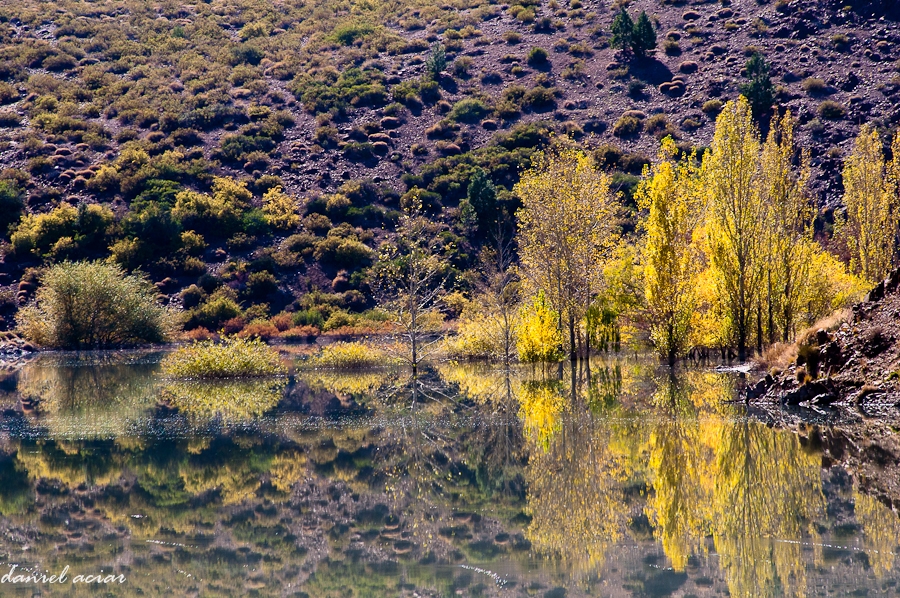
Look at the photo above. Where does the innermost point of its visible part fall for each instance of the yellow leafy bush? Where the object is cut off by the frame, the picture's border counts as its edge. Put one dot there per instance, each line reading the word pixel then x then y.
pixel 233 357
pixel 280 209
pixel 479 334
pixel 349 355
pixel 539 338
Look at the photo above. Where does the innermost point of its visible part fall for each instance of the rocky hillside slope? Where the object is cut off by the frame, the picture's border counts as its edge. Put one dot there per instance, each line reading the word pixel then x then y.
pixel 126 104
pixel 856 366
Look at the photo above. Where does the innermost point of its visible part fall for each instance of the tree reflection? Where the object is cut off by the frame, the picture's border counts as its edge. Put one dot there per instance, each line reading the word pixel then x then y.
pixel 768 493
pixel 679 465
pixel 97 396
pixel 577 474
pixel 708 473
pixel 881 527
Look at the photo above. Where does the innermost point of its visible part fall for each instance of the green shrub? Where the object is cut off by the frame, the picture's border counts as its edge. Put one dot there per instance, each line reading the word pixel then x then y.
pixel 11 205
pixel 840 41
pixel 343 253
pixel 63 232
pixel 260 285
pixel 712 107
pixel 512 37
pixel 539 98
pixel 436 61
pixel 627 126
pixel 831 110
pixel 469 110
pixel 218 214
pixel 814 85
pixel 214 312
pixel 233 357
pixel 348 33
pixel 10 119
pixel 83 305
pixel 359 152
pixel 537 56
pixel 330 91
pixel 759 90
pixel 308 317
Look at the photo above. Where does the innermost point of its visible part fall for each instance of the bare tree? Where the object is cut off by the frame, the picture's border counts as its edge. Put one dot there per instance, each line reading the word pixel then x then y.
pixel 410 282
pixel 499 289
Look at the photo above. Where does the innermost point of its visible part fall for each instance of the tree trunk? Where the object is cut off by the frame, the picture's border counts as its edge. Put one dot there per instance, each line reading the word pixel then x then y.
pixel 759 329
pixel 573 355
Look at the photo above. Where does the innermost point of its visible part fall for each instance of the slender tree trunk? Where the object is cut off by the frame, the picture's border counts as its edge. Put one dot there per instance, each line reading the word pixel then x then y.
pixel 759 329
pixel 771 309
pixel 587 353
pixel 573 355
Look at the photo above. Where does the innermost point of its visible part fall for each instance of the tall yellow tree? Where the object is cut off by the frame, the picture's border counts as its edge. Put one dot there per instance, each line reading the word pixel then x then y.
pixel 788 227
pixel 869 225
pixel 670 194
pixel 567 224
pixel 736 212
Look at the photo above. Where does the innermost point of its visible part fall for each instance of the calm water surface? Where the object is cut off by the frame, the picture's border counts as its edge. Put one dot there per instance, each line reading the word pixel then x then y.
pixel 467 482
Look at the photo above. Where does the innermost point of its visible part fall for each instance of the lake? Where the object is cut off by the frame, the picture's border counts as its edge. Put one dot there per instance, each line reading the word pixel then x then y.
pixel 621 480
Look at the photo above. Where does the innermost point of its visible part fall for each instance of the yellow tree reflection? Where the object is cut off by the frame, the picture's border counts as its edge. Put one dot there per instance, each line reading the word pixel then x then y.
pixel 881 527
pixel 680 471
pixel 577 475
pixel 768 491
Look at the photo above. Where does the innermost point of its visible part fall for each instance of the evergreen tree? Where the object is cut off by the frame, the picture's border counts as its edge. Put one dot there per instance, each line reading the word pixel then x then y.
pixel 643 38
pixel 759 90
pixel 622 31
pixel 436 61
pixel 482 194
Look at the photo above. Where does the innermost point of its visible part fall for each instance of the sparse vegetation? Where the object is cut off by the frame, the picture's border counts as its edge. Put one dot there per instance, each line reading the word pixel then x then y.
pixel 122 145
pixel 831 110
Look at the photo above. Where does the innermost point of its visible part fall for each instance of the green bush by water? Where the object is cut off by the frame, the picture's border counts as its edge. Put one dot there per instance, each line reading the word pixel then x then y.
pixel 86 305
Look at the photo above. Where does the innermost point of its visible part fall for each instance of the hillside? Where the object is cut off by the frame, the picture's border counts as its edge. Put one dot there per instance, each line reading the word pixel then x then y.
pixel 127 104
pixel 853 367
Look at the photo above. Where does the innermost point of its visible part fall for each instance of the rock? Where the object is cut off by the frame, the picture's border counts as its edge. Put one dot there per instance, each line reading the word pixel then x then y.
pixel 818 391
pixel 758 389
pixel 831 356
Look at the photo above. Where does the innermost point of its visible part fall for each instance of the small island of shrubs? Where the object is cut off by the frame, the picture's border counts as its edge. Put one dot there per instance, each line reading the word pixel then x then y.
pixel 232 357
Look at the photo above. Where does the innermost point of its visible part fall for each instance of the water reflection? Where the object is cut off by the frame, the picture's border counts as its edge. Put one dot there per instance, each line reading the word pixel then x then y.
pixel 230 400
pixel 467 480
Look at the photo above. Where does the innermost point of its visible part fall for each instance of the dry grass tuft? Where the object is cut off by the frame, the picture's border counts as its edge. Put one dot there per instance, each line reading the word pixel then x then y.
pixel 784 355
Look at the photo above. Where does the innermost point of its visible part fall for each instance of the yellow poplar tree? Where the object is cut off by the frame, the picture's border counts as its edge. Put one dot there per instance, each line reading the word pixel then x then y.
pixel 789 227
pixel 669 193
pixel 736 211
pixel 869 225
pixel 567 223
